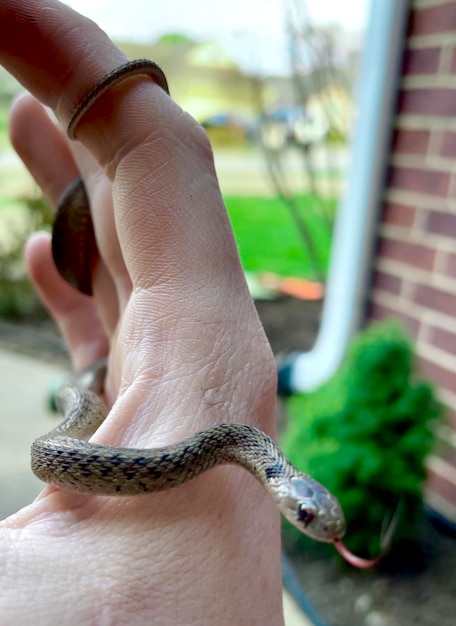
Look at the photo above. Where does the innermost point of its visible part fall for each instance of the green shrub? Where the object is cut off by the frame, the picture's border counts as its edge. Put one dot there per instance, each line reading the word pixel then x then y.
pixel 366 435
pixel 17 298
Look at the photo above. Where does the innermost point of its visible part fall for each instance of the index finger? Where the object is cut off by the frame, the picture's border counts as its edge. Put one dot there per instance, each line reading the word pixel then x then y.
pixel 59 55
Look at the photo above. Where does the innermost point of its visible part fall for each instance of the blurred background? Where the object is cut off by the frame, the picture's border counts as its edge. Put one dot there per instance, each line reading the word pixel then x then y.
pixel 288 92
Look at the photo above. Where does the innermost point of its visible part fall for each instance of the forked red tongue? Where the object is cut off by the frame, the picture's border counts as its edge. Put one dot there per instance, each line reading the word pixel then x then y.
pixel 385 543
pixel 354 560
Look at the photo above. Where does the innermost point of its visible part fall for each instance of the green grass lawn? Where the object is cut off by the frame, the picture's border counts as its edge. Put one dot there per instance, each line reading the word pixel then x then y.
pixel 268 239
pixel 267 236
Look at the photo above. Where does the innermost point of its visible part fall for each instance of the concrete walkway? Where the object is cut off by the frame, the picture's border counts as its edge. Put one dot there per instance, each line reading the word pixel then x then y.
pixel 24 388
pixel 24 383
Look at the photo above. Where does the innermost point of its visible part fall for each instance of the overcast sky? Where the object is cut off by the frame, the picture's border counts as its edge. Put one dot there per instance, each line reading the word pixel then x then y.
pixel 252 31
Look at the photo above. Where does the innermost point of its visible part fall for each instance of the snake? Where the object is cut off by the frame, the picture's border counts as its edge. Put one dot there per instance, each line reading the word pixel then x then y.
pixel 65 456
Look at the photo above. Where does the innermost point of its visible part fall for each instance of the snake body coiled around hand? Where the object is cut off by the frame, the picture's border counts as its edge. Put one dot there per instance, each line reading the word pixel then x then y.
pixel 64 458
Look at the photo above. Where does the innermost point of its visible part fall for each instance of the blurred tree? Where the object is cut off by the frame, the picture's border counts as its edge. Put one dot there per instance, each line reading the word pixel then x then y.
pixel 322 68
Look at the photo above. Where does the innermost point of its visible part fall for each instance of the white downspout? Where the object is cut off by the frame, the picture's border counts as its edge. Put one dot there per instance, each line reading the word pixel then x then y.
pixel 356 222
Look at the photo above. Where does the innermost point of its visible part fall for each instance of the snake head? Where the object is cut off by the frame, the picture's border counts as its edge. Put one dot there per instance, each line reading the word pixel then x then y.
pixel 312 509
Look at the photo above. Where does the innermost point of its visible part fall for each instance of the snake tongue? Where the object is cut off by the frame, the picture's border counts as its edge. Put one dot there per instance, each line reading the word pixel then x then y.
pixel 354 560
pixel 385 543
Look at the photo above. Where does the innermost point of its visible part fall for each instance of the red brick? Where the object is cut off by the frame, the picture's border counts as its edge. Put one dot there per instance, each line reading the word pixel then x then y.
pixel 377 311
pixel 442 377
pixel 429 182
pixel 441 223
pixel 386 282
pixel 444 449
pixel 436 19
pixel 421 61
pixel 407 252
pixel 443 339
pixel 453 61
pixel 437 102
pixel 435 300
pixel 449 416
pixel 407 141
pixel 398 214
pixel 450 264
pixel 449 144
pixel 441 485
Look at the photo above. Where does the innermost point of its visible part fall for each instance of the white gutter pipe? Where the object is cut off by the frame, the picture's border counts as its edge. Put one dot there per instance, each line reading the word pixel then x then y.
pixel 357 216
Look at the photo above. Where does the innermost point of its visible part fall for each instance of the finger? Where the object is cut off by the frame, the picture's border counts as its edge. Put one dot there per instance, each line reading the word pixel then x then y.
pixel 54 51
pixel 47 155
pixel 87 342
pixel 45 151
pixel 99 189
pixel 59 55
pixel 42 147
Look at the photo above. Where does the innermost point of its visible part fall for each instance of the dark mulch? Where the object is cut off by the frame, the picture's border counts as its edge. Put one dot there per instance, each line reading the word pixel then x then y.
pixel 419 591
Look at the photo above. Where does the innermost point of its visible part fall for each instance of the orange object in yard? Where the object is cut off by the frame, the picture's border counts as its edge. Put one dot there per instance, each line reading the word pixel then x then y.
pixel 296 287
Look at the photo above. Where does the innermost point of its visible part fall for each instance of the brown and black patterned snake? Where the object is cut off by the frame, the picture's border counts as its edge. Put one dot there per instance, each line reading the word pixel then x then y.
pixel 65 457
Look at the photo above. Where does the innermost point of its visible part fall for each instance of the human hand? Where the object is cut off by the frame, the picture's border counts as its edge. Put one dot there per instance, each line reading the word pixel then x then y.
pixel 185 347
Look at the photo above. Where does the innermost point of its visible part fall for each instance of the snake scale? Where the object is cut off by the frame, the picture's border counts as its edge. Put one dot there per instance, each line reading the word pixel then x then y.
pixel 64 457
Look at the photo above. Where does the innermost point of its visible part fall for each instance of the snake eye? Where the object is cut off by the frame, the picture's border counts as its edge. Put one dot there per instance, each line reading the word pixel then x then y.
pixel 305 516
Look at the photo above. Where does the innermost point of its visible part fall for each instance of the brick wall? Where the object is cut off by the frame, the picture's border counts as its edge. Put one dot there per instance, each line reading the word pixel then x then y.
pixel 415 269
